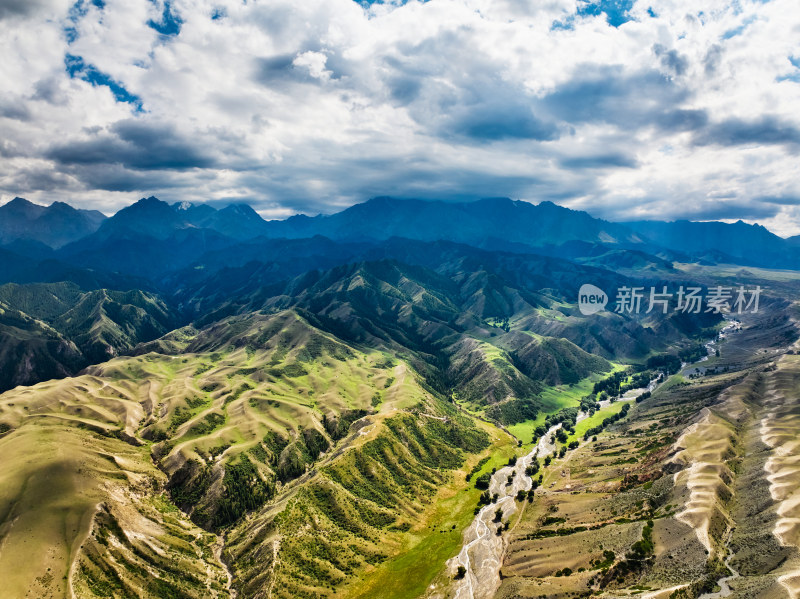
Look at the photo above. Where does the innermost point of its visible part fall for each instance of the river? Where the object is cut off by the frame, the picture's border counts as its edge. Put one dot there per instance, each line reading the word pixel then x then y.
pixel 482 553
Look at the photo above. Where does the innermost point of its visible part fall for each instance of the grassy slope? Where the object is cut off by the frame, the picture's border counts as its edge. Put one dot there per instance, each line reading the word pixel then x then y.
pixel 271 375
pixel 376 507
pixel 66 484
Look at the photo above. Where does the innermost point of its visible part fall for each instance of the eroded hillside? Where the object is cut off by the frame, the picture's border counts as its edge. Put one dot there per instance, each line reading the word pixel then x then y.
pixel 127 473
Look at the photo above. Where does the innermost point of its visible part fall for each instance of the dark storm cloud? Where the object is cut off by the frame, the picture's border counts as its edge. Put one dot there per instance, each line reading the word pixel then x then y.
pixel 712 59
pixel 473 105
pixel 115 177
pixel 599 161
pixel 21 8
pixel 681 120
pixel 276 68
pixel 137 145
pixel 701 208
pixel 783 200
pixel 607 94
pixel 731 211
pixel 374 177
pixel 280 72
pixel 14 109
pixel 501 120
pixel 404 89
pixel 671 60
pixel 767 130
pixel 43 179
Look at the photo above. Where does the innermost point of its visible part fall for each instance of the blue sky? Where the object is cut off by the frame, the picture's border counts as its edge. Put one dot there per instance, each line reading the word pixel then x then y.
pixel 627 109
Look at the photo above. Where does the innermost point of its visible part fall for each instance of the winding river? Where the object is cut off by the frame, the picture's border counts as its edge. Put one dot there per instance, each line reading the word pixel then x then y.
pixel 482 552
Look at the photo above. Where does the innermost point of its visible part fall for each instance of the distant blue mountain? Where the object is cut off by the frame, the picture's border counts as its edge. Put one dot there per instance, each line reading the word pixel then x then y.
pixel 485 223
pixel 151 217
pixel 737 242
pixel 54 225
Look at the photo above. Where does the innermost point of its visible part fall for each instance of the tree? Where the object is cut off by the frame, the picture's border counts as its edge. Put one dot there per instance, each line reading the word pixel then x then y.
pixel 460 573
pixel 482 482
pixel 498 514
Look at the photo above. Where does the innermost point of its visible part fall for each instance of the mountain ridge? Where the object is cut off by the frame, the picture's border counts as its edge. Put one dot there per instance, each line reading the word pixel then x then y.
pixel 54 225
pixel 490 223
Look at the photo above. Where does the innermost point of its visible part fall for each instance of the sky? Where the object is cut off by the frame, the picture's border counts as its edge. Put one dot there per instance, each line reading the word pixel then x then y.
pixel 629 109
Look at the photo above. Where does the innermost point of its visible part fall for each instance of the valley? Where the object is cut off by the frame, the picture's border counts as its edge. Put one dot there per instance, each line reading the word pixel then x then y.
pixel 690 495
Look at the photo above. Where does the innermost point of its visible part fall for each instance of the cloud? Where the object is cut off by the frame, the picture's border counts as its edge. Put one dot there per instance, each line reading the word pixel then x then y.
pixel 599 161
pixel 688 107
pixel 499 119
pixel 610 94
pixel 781 200
pixel 766 130
pixel 731 211
pixel 25 8
pixel 14 108
pixel 671 60
pixel 134 144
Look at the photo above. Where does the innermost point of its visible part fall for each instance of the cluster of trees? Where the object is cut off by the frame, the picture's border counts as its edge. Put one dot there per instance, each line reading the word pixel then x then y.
pixel 639 380
pixel 476 468
pixel 694 353
pixel 589 404
pixel 619 383
pixel 501 323
pixel 643 548
pixel 485 499
pixel 482 482
pixel 666 363
pixel 243 491
pixel 640 553
pixel 567 417
pixel 611 384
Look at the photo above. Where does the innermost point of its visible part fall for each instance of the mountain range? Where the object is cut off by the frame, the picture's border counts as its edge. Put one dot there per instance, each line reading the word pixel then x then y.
pixel 54 225
pixel 182 232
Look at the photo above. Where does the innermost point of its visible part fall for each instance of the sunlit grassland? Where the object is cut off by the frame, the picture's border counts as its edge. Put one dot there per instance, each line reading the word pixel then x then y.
pixel 595 420
pixel 557 398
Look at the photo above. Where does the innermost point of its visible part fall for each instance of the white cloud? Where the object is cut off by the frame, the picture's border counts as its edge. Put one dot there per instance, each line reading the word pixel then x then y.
pixel 314 105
